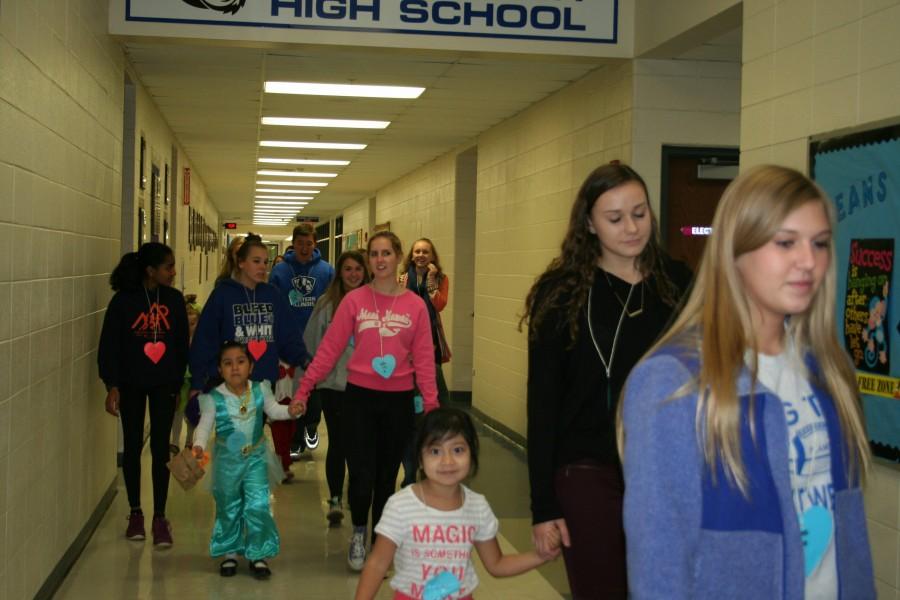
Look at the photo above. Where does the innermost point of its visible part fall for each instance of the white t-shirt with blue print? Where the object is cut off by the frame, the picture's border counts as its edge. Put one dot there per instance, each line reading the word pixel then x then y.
pixel 809 455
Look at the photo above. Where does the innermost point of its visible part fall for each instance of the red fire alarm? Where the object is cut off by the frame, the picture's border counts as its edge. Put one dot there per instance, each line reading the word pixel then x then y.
pixel 230 225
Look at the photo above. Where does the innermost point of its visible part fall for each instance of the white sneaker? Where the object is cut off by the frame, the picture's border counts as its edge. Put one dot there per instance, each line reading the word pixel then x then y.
pixel 356 557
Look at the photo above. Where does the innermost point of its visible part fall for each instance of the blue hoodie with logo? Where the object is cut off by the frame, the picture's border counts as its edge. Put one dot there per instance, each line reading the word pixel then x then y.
pixel 302 283
pixel 259 318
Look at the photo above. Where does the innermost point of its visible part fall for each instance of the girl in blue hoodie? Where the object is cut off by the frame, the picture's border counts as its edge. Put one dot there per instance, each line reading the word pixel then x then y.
pixel 246 309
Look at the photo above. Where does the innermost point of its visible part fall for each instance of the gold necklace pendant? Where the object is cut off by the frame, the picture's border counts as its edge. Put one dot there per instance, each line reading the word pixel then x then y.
pixel 245 399
pixel 624 305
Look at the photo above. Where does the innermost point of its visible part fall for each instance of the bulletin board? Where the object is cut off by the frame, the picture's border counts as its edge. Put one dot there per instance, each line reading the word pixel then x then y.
pixel 861 174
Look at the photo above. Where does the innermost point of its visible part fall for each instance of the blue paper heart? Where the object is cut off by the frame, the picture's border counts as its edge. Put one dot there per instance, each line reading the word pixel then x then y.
pixel 294 297
pixel 816 527
pixel 384 365
pixel 440 586
pixel 418 404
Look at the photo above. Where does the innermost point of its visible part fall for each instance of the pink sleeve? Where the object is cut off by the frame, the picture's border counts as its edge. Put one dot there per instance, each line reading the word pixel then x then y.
pixel 330 349
pixel 423 358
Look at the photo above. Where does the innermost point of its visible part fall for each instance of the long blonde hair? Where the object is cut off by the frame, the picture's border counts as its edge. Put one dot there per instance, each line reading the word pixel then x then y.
pixel 716 318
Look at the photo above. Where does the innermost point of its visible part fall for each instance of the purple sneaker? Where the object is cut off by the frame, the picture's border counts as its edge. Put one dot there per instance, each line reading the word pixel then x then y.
pixel 135 529
pixel 162 532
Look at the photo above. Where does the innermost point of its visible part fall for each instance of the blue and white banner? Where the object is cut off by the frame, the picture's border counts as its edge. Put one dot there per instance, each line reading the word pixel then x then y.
pixel 594 22
pixel 861 174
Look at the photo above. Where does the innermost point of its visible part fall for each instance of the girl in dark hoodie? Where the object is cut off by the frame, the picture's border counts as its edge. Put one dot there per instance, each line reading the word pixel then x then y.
pixel 246 309
pixel 142 354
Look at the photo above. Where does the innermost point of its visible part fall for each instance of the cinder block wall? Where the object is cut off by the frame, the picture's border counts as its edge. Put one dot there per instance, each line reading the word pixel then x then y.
pixel 61 97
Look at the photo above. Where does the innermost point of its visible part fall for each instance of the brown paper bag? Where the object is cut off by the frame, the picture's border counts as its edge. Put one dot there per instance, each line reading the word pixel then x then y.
pixel 185 469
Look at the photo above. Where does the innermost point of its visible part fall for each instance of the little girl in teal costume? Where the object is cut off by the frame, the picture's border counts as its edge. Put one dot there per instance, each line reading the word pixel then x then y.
pixel 240 466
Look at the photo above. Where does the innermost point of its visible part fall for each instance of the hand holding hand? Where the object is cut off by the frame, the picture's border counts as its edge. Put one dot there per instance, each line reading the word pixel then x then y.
pixel 549 537
pixel 298 404
pixel 198 452
pixel 112 401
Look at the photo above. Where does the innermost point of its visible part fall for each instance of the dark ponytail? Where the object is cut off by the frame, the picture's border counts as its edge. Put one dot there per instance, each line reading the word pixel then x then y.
pixel 129 273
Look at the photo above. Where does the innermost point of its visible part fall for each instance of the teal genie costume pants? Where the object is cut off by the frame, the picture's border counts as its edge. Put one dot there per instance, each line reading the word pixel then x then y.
pixel 244 523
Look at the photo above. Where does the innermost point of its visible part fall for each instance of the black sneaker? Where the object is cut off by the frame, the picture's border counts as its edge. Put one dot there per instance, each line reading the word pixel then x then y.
pixel 296 453
pixel 335 514
pixel 312 440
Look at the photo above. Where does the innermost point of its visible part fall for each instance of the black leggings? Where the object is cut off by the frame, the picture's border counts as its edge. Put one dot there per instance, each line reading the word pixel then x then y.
pixel 132 406
pixel 335 459
pixel 377 426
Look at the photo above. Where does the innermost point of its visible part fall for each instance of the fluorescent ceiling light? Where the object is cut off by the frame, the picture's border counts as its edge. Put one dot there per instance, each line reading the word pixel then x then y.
pixel 280 173
pixel 295 184
pixel 275 209
pixel 343 89
pixel 341 123
pixel 304 161
pixel 283 203
pixel 316 145
pixel 281 198
pixel 282 191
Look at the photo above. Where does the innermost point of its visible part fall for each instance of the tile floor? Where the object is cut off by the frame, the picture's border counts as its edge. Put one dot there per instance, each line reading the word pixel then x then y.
pixel 312 564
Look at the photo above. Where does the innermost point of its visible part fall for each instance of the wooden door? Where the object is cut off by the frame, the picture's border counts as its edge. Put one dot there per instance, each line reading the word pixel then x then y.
pixel 690 205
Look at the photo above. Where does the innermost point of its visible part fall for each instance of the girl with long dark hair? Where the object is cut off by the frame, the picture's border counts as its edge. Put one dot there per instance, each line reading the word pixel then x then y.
pixel 351 273
pixel 591 315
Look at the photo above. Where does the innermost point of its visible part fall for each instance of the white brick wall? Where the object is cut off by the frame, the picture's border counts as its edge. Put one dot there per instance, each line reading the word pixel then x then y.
pixel 197 270
pixel 60 162
pixel 682 103
pixel 61 120
pixel 529 169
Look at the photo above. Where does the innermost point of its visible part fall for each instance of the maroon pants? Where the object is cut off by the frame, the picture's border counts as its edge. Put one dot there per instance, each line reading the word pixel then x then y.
pixel 282 434
pixel 590 496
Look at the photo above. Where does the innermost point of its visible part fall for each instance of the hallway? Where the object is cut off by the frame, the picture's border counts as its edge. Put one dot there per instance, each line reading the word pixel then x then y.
pixel 312 564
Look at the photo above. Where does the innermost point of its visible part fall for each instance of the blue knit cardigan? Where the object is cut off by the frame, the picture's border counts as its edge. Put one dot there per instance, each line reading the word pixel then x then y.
pixel 688 537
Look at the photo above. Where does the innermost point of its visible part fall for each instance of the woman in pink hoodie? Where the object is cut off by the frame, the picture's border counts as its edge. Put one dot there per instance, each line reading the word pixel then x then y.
pixel 390 330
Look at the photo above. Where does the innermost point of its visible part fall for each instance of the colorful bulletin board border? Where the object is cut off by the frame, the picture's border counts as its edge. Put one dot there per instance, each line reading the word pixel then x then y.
pixel 861 174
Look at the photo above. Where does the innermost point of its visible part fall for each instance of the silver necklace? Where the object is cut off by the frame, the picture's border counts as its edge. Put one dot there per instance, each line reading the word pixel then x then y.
pixel 607 367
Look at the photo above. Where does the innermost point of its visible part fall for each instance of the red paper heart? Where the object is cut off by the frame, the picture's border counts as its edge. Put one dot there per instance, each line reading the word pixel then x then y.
pixel 257 348
pixel 155 350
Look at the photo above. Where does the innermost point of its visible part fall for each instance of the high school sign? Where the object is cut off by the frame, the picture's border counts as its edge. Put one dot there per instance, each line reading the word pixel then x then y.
pixel 576 27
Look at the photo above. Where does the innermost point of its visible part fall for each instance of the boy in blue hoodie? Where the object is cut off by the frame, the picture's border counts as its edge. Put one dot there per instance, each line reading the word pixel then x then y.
pixel 302 277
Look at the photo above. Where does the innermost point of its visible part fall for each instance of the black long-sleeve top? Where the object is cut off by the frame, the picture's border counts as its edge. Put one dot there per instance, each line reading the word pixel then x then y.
pixel 128 327
pixel 571 404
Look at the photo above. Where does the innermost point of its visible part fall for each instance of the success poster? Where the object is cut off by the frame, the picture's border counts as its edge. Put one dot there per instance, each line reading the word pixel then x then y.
pixel 861 174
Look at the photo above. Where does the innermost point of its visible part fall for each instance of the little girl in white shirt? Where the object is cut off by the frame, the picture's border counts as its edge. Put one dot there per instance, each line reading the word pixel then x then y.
pixel 428 529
